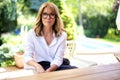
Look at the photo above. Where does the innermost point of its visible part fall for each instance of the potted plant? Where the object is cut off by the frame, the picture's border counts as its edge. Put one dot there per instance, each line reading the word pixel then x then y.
pixel 6 56
pixel 18 57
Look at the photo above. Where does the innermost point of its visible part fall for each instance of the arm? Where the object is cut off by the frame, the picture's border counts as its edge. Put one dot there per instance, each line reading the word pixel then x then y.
pixel 58 59
pixel 29 53
pixel 37 66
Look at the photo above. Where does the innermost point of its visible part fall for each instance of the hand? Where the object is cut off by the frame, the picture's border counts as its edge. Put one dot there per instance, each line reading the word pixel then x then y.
pixel 52 68
pixel 48 70
pixel 39 68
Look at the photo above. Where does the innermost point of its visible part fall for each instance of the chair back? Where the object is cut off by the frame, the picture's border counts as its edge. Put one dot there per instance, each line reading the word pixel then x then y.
pixel 71 47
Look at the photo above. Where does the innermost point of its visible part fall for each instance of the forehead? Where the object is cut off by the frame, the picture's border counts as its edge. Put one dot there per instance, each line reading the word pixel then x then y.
pixel 49 9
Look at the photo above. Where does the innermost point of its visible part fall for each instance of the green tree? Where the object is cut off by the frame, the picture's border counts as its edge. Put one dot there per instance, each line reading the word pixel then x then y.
pixel 23 6
pixel 74 8
pixel 67 18
pixel 8 16
pixel 98 17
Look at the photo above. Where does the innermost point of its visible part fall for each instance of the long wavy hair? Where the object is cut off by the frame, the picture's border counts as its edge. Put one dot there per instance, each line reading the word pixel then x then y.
pixel 58 26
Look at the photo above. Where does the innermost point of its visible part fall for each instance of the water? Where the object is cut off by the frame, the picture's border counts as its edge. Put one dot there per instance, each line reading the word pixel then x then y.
pixel 93 45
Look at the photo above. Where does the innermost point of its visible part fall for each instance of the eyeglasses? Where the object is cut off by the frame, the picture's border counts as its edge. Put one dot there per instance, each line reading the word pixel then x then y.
pixel 45 15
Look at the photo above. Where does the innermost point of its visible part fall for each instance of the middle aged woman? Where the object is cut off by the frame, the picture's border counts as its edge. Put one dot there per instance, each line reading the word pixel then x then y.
pixel 47 41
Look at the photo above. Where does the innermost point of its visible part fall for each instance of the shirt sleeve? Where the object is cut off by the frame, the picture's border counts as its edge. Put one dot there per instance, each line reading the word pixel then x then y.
pixel 28 47
pixel 58 60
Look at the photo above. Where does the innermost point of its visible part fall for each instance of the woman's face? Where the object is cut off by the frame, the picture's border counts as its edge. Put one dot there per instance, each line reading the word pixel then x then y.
pixel 48 17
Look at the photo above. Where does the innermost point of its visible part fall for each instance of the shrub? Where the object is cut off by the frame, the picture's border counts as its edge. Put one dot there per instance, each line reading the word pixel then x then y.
pixel 97 18
pixel 6 56
pixel 11 45
pixel 8 13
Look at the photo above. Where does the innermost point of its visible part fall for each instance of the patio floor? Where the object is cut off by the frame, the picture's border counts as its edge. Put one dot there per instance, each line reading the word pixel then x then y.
pixel 91 52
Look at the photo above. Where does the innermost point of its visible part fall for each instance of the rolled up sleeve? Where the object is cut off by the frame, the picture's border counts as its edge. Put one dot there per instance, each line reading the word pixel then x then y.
pixel 58 60
pixel 28 48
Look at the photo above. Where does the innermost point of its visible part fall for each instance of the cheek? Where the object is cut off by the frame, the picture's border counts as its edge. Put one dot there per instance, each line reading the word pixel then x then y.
pixel 43 21
pixel 48 22
pixel 53 21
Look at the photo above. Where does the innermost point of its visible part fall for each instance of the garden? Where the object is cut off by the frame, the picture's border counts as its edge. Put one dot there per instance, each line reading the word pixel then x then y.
pixel 92 20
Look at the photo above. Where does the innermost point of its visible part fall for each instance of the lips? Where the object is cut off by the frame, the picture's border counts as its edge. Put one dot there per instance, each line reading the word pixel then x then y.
pixel 48 21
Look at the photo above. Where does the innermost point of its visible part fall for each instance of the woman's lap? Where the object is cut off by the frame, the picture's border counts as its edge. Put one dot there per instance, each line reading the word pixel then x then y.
pixel 65 67
pixel 46 65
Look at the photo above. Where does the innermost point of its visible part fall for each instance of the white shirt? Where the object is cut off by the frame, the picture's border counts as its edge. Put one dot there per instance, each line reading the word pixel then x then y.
pixel 37 46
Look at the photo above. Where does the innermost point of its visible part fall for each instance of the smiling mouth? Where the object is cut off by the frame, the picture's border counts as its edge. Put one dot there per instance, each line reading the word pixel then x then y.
pixel 48 21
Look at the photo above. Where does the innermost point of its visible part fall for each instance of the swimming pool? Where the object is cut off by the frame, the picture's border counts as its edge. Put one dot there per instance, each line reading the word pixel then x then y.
pixel 89 45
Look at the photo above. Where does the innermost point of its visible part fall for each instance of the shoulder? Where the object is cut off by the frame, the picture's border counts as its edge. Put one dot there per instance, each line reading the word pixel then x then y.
pixel 31 32
pixel 63 35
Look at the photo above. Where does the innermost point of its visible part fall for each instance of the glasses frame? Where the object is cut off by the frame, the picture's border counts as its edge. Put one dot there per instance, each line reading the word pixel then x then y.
pixel 51 15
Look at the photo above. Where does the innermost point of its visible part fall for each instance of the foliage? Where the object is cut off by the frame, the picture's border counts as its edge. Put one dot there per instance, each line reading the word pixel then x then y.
pixel 97 16
pixel 73 7
pixel 67 17
pixel 96 19
pixel 8 16
pixel 27 11
pixel 23 6
pixel 6 56
pixel 26 20
pixel 111 35
pixel 11 38
pixel 11 44
pixel 25 15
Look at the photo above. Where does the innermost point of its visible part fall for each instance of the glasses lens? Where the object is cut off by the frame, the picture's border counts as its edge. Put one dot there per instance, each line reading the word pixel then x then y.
pixel 45 15
pixel 52 16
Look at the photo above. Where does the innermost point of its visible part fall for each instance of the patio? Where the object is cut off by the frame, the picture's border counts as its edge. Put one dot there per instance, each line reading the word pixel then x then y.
pixel 91 52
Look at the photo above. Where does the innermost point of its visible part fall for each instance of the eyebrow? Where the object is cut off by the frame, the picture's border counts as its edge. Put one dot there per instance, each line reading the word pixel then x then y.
pixel 48 13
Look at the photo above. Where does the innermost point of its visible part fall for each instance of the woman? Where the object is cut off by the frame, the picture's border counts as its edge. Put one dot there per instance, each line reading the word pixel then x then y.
pixel 47 41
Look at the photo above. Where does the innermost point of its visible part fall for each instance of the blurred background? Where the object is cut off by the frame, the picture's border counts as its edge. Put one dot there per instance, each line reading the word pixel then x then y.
pixel 90 18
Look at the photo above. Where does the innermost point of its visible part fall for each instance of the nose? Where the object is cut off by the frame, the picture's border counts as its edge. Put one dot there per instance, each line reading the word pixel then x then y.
pixel 48 17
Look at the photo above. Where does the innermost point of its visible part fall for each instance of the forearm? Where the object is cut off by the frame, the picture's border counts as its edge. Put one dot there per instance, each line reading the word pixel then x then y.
pixel 32 63
pixel 37 66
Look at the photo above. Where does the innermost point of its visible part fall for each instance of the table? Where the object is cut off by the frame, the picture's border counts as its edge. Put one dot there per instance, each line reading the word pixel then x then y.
pixel 102 72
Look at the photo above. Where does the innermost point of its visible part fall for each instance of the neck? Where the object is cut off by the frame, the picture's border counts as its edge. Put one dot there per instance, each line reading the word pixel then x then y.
pixel 47 31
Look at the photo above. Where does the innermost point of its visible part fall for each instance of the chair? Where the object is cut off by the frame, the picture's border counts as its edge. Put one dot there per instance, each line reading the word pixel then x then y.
pixel 71 53
pixel 70 48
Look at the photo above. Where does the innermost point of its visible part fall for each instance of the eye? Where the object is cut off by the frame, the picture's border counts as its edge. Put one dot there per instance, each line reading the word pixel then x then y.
pixel 44 14
pixel 52 15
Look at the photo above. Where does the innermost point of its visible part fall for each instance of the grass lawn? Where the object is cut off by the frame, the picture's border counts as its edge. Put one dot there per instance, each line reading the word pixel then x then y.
pixel 110 41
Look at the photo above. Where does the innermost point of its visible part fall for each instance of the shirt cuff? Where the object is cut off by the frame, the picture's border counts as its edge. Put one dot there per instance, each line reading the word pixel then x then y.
pixel 58 63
